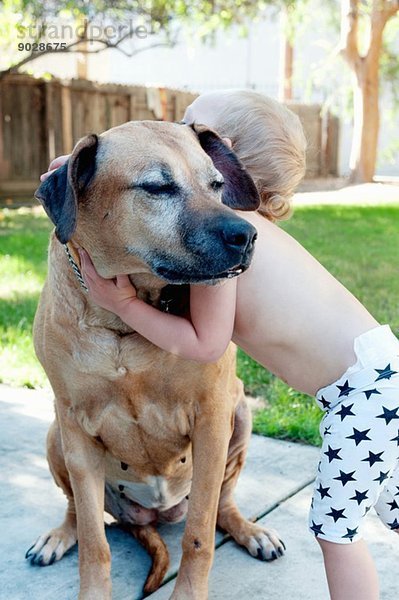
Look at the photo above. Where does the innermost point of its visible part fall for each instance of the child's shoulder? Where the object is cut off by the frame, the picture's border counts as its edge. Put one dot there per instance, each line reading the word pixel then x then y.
pixel 272 241
pixel 259 222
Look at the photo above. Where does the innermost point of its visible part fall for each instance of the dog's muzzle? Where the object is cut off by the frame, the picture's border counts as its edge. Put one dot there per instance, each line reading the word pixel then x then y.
pixel 215 249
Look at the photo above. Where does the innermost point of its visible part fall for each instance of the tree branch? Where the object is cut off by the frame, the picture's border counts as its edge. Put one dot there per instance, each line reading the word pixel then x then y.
pixel 381 12
pixel 391 7
pixel 349 31
pixel 73 49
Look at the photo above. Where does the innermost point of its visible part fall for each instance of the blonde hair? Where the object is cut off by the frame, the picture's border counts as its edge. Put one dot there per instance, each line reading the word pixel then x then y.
pixel 268 138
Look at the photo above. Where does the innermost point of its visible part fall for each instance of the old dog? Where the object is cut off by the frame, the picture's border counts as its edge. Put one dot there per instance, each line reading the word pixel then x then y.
pixel 139 432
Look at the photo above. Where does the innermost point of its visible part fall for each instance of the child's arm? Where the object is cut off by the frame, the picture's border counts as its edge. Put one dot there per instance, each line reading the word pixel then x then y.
pixel 204 338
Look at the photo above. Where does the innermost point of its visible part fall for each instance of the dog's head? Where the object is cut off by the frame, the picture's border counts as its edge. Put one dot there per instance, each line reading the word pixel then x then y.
pixel 153 197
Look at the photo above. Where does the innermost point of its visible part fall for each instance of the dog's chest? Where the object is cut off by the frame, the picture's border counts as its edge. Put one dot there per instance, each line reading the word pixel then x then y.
pixel 151 491
pixel 104 352
pixel 146 440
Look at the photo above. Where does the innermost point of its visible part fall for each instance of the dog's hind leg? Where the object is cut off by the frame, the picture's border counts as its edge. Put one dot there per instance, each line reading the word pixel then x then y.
pixel 260 542
pixel 150 539
pixel 52 545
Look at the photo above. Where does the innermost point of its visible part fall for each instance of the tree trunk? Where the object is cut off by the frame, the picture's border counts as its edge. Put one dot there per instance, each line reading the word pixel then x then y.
pixel 81 60
pixel 366 123
pixel 285 88
pixel 366 73
pixel 285 92
pixel 81 57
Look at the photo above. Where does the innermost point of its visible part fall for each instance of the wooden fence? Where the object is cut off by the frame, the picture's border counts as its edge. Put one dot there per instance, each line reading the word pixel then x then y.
pixel 41 119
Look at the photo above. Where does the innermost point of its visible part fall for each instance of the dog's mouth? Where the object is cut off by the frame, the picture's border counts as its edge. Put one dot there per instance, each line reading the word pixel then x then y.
pixel 172 276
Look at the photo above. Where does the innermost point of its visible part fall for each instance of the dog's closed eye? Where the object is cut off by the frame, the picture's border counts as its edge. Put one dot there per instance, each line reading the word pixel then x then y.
pixel 217 184
pixel 157 189
pixel 157 182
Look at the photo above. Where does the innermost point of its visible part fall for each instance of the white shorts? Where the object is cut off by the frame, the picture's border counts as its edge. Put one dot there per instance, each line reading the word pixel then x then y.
pixel 359 465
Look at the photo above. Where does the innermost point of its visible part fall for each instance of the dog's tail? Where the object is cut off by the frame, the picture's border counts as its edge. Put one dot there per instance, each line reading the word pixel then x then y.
pixel 149 537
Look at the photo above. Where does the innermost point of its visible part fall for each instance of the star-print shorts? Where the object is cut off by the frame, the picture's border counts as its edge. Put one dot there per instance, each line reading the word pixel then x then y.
pixel 359 465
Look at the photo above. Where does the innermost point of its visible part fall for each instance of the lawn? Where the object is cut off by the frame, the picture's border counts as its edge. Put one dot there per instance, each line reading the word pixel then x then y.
pixel 359 245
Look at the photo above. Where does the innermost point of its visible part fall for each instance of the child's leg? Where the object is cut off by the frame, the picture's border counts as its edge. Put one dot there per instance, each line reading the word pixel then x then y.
pixel 350 570
pixel 358 456
pixel 387 506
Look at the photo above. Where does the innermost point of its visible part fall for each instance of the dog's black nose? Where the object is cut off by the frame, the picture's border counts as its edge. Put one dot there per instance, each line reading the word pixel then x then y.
pixel 239 235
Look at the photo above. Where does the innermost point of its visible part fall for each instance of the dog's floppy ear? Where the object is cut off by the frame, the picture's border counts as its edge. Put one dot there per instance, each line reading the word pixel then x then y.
pixel 60 193
pixel 239 190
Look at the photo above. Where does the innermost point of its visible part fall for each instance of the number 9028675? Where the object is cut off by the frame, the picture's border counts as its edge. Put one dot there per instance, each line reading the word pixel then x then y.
pixel 41 46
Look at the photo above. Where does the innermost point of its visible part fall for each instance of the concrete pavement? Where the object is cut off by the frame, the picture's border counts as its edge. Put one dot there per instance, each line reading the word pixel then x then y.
pixel 275 488
pixel 323 192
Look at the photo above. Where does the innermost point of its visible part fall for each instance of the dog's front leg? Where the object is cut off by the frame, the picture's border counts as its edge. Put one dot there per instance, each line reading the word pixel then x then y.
pixel 210 440
pixel 84 459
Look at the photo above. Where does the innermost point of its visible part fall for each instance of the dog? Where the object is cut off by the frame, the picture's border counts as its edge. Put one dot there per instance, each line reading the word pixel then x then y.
pixel 138 431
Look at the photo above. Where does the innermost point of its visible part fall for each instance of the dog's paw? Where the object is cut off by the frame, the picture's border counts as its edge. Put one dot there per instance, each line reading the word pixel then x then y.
pixel 264 544
pixel 50 547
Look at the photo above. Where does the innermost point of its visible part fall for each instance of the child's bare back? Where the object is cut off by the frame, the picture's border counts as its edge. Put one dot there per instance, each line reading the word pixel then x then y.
pixel 292 315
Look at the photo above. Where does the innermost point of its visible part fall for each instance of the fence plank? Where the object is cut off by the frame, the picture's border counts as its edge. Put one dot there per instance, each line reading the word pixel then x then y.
pixel 66 111
pixel 41 119
pixel 49 120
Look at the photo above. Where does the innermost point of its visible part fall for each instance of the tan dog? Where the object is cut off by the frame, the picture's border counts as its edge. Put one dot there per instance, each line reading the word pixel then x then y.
pixel 144 199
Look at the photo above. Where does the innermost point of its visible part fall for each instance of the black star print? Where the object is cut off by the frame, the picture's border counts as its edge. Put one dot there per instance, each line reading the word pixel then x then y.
pixel 366 510
pixel 382 477
pixel 371 392
pixel 345 412
pixel 345 389
pixel 359 436
pixel 345 477
pixel 350 533
pixel 333 453
pixel 394 524
pixel 359 496
pixel 373 458
pixel 395 439
pixel 336 514
pixel 328 432
pixel 397 487
pixel 324 402
pixel 317 529
pixel 394 505
pixel 385 373
pixel 323 491
pixel 388 415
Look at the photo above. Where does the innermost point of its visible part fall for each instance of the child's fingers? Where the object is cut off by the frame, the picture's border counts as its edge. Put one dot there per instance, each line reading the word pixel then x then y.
pixel 54 165
pixel 93 280
pixel 123 281
pixel 85 260
pixel 88 270
pixel 45 176
pixel 58 162
pixel 86 278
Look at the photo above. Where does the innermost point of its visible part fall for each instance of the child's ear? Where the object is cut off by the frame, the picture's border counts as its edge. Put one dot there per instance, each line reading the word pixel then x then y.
pixel 239 190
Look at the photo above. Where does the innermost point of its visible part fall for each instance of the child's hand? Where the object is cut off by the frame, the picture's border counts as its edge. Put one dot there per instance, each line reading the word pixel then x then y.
pixel 114 295
pixel 55 164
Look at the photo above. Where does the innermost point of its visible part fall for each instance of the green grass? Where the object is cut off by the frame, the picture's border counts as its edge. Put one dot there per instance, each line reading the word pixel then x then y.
pixel 23 264
pixel 359 245
pixel 287 414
